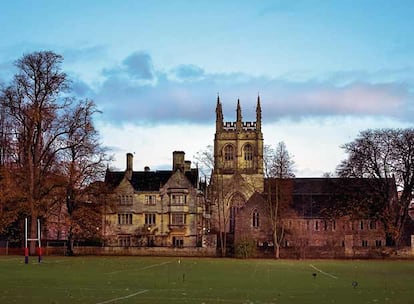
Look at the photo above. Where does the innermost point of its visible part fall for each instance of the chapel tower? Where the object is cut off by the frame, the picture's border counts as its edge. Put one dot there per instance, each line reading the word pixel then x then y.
pixel 238 163
pixel 238 146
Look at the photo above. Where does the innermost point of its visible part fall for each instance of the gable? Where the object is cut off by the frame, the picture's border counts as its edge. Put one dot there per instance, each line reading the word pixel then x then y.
pixel 124 186
pixel 178 180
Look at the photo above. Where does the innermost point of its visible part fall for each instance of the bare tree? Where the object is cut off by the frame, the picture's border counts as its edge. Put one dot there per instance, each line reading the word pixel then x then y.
pixel 268 155
pixel 281 162
pixel 386 157
pixel 278 197
pixel 217 192
pixel 41 118
pixel 216 195
pixel 83 162
pixel 279 167
pixel 205 159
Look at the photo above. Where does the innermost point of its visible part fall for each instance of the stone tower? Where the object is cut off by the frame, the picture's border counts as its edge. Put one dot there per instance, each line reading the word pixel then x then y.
pixel 238 165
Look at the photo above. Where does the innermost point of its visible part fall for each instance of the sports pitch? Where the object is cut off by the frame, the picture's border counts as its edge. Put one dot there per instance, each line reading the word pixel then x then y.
pixel 122 280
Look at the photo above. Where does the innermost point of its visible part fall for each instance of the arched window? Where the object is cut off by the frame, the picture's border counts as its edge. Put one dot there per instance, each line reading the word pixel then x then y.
pixel 229 152
pixel 248 152
pixel 255 219
pixel 236 202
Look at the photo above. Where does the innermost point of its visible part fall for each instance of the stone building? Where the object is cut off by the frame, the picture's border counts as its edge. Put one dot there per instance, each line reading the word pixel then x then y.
pixel 311 216
pixel 238 167
pixel 155 208
pixel 313 224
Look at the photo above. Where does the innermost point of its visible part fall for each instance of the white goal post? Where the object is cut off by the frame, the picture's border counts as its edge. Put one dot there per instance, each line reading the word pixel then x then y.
pixel 26 240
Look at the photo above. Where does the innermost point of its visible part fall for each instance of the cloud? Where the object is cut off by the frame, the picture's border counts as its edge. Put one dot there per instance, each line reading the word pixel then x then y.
pixel 137 66
pixel 85 53
pixel 81 89
pixel 325 99
pixel 188 72
pixel 135 92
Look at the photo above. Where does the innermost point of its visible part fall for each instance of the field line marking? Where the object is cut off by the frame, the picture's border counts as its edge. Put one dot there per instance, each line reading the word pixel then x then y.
pixel 323 272
pixel 123 298
pixel 143 268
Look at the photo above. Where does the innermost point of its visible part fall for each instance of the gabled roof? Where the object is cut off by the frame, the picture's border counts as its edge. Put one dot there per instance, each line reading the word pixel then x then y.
pixel 148 180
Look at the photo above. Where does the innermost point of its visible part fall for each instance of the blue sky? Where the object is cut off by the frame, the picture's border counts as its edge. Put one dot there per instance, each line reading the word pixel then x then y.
pixel 324 69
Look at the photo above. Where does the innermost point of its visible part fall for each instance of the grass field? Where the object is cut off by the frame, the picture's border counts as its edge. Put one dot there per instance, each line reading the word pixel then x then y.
pixel 123 280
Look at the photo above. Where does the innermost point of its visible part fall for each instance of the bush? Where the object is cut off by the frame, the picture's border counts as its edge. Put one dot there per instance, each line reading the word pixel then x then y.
pixel 245 249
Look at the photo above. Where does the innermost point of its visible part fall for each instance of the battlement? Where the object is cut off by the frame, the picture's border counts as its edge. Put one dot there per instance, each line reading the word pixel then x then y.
pixel 247 126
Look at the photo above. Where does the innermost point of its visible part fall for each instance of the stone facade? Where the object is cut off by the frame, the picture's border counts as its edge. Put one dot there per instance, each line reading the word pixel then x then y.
pixel 238 166
pixel 308 226
pixel 155 208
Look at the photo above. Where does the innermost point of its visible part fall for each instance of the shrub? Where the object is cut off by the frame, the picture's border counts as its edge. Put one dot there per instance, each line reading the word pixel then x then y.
pixel 245 249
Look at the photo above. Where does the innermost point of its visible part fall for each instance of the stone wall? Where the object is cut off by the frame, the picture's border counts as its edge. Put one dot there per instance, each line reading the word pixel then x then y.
pixel 147 251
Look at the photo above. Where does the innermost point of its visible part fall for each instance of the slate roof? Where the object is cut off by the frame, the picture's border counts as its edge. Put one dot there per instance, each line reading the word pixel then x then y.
pixel 311 196
pixel 148 180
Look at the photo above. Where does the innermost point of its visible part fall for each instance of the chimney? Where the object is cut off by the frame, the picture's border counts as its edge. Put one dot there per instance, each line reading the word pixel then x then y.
pixel 187 166
pixel 147 169
pixel 128 172
pixel 130 158
pixel 178 160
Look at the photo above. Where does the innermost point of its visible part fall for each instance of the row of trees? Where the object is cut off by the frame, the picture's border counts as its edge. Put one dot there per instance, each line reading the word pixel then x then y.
pixel 50 150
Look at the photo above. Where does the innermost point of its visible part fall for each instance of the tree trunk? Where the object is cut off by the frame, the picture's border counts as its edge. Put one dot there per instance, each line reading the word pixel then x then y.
pixel 277 251
pixel 32 234
pixel 69 251
pixel 223 243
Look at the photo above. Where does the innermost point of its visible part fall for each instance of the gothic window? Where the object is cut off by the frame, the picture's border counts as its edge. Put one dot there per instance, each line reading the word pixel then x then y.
pixel 229 152
pixel 237 201
pixel 248 155
pixel 248 152
pixel 255 219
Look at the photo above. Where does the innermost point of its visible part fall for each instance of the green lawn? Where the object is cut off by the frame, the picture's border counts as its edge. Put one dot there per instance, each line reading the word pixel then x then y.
pixel 189 280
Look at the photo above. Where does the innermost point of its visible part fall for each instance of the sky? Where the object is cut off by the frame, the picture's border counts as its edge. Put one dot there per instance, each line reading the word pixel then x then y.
pixel 324 70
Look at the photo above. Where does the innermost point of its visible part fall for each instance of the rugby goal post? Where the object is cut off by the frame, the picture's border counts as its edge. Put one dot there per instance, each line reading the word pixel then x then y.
pixel 26 240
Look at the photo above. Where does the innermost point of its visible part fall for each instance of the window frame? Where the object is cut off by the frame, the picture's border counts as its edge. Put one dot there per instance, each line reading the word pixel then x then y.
pixel 178 218
pixel 125 219
pixel 178 199
pixel 150 199
pixel 124 240
pixel 229 153
pixel 255 219
pixel 248 153
pixel 150 219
